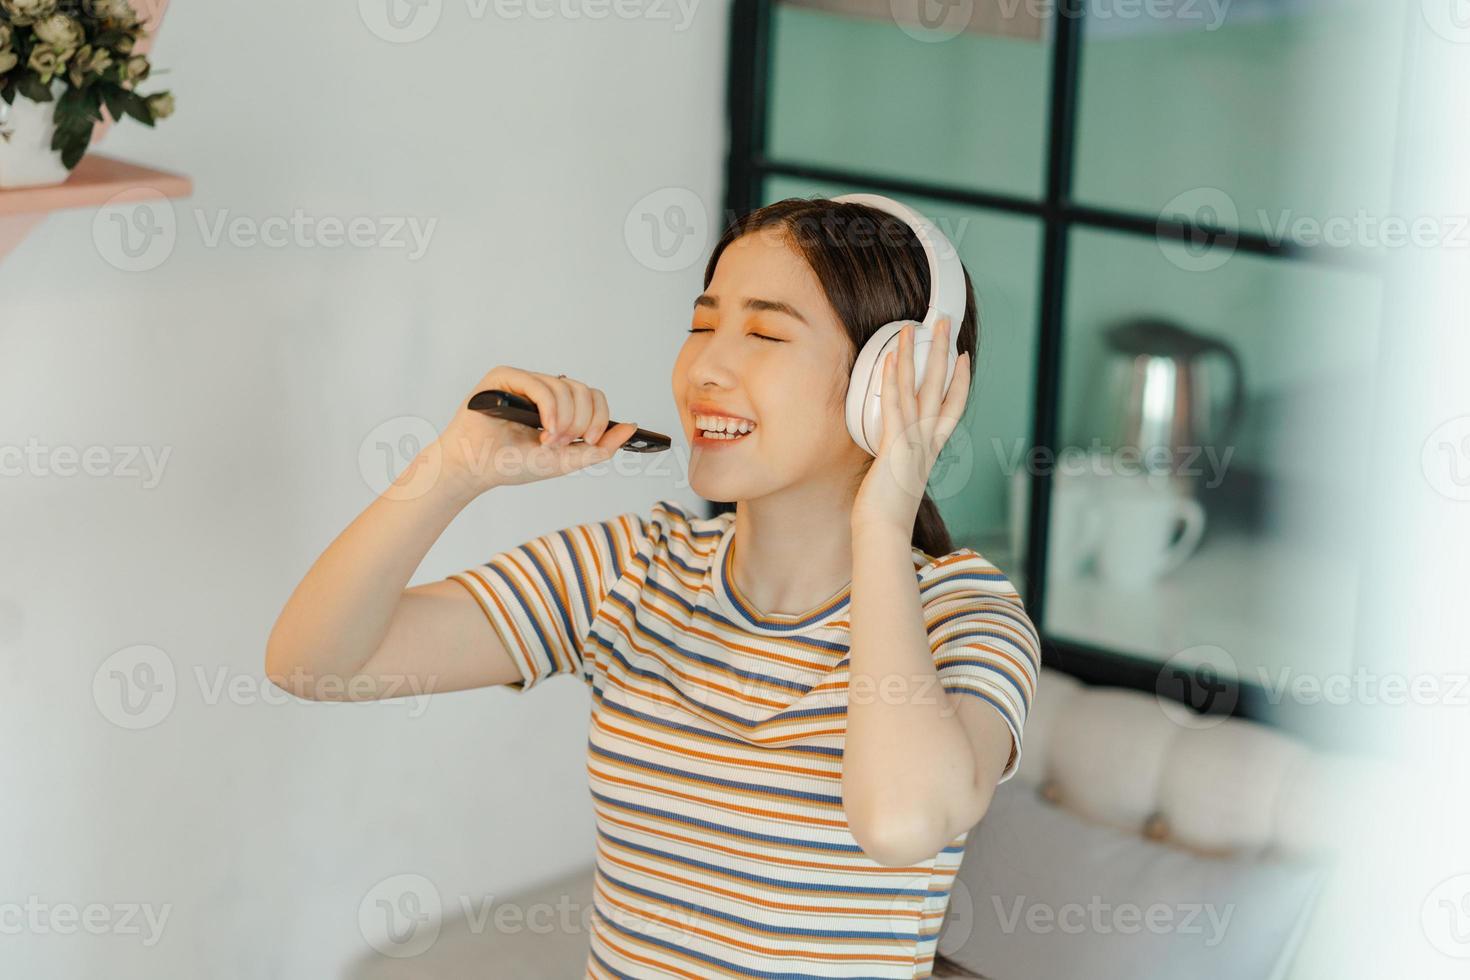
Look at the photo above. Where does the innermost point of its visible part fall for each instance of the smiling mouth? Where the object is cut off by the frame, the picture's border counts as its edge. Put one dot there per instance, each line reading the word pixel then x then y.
pixel 716 428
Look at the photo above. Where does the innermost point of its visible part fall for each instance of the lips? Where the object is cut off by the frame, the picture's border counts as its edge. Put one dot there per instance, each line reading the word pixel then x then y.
pixel 710 408
pixel 717 426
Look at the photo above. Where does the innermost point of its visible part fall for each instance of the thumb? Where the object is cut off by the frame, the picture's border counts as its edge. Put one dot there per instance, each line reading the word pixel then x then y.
pixel 578 455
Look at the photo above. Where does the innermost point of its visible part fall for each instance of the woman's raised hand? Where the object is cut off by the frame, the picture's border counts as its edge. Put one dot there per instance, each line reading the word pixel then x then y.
pixel 486 452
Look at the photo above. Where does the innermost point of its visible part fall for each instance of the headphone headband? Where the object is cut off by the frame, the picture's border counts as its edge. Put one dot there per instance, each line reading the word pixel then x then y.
pixel 947 297
pixel 946 272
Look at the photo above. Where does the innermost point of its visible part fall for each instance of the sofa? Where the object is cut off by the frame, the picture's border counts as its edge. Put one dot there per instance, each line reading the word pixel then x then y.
pixel 1137 839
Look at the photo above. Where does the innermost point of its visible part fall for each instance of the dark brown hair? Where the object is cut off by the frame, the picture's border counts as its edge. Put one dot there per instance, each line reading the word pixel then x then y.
pixel 873 270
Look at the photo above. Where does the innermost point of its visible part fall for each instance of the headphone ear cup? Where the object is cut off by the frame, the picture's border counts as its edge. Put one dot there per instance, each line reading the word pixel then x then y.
pixel 864 407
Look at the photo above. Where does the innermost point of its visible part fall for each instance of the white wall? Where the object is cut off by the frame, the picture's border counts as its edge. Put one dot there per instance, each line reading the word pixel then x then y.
pixel 260 826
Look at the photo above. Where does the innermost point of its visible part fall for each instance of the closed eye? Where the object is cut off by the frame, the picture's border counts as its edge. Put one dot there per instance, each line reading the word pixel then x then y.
pixel 774 340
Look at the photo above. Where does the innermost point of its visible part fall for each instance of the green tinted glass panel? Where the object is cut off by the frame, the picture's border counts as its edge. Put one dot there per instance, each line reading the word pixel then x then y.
pixel 860 95
pixel 1273 580
pixel 970 484
pixel 1248 119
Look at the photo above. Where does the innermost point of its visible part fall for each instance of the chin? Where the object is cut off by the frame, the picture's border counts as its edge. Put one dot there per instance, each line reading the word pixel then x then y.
pixel 722 487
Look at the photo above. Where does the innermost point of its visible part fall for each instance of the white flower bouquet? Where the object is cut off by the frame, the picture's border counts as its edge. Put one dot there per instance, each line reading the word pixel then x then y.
pixel 81 53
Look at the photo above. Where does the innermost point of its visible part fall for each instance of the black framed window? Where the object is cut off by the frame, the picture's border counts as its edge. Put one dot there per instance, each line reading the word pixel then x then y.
pixel 1073 146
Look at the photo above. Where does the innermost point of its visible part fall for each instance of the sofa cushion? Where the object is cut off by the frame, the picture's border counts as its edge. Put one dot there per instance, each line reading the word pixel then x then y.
pixel 1043 893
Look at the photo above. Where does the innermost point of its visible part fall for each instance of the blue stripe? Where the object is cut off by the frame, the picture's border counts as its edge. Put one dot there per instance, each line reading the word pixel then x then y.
pixel 716 662
pixel 764 926
pixel 717 616
pixel 535 620
pixel 836 711
pixel 704 956
pixel 796 886
pixel 1010 681
pixel 715 781
pixel 725 828
pixel 978 630
pixel 1005 712
pixel 628 712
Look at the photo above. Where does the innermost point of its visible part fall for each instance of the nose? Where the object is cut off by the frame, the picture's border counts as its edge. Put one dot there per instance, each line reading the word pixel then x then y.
pixel 714 364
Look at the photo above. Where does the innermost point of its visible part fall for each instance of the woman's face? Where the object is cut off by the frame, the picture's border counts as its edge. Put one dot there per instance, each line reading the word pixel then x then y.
pixel 765 346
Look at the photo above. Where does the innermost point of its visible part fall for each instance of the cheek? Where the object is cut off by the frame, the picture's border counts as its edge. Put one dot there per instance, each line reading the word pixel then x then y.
pixel 810 411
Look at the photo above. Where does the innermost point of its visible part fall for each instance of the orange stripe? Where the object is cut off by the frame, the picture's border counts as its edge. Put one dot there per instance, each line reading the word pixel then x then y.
pixel 783 860
pixel 745 730
pixel 700 590
pixel 524 578
pixel 527 662
pixel 681 692
pixel 621 625
pixel 717 804
pixel 676 749
pixel 705 886
pixel 806 954
pixel 712 740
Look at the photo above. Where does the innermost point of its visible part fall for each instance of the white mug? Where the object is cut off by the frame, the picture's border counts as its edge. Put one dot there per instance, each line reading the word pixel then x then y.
pixel 1147 530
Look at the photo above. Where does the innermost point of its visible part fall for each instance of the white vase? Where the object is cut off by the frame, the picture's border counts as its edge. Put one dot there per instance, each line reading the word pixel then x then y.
pixel 26 128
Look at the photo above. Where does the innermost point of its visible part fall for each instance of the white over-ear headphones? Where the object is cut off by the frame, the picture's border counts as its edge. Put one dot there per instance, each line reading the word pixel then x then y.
pixel 946 298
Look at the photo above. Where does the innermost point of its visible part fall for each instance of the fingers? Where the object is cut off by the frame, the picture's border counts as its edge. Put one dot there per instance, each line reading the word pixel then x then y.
pixel 931 388
pixel 552 424
pixel 594 431
pixel 952 409
pixel 576 423
pixel 568 409
pixel 573 412
pixel 613 438
pixel 906 374
pixel 535 387
pixel 935 409
pixel 891 413
pixel 582 454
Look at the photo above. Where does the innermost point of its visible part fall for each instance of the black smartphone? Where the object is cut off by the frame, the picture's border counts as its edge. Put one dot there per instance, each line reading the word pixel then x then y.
pixel 513 408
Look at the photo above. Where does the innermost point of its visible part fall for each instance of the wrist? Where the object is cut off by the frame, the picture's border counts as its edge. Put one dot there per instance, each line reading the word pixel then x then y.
pixel 435 472
pixel 467 470
pixel 879 532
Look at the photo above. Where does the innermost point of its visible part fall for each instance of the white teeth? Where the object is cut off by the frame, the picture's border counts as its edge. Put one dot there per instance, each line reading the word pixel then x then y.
pixel 722 427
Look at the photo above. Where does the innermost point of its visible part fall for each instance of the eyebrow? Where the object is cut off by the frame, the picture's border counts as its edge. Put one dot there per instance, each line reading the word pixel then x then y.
pixel 756 305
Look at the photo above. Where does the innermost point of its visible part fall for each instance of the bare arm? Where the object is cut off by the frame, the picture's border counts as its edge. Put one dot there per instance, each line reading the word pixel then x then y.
pixel 352 631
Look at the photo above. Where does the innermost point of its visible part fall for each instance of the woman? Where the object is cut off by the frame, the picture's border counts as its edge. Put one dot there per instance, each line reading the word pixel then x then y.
pixel 800 709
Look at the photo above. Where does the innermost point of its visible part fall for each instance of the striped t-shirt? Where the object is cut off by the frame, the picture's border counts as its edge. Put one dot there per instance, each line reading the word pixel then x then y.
pixel 714 752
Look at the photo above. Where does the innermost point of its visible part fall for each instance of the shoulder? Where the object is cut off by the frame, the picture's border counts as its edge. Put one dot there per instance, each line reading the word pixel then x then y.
pixel 964 569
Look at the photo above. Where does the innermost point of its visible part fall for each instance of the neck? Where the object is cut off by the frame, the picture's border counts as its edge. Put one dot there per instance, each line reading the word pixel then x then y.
pixel 793 549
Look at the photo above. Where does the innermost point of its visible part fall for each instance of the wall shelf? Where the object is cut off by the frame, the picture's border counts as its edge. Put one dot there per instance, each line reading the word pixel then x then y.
pixel 96 180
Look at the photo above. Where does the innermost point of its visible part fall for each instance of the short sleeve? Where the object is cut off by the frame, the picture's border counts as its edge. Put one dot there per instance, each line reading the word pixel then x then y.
pixel 541 597
pixel 985 645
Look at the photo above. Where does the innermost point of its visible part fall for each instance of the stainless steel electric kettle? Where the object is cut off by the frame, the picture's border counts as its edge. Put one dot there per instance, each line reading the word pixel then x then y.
pixel 1158 394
